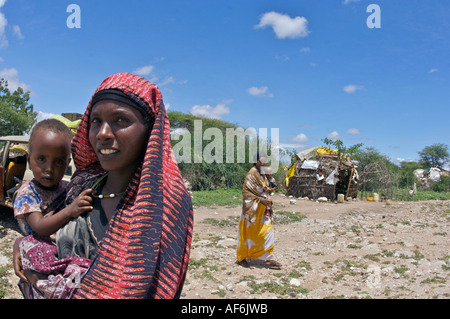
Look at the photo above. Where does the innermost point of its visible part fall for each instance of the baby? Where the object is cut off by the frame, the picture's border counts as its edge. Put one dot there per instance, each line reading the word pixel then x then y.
pixel 40 202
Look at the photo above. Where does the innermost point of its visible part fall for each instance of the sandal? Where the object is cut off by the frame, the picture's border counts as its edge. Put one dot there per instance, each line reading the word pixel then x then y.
pixel 273 264
pixel 244 263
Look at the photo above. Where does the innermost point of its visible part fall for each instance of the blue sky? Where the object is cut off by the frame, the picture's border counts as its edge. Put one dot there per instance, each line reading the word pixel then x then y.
pixel 313 69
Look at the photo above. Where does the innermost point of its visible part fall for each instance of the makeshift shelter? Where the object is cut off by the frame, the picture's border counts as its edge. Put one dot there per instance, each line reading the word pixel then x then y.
pixel 72 120
pixel 427 176
pixel 321 172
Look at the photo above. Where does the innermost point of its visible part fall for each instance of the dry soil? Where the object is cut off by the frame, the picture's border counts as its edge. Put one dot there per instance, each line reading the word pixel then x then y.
pixel 356 249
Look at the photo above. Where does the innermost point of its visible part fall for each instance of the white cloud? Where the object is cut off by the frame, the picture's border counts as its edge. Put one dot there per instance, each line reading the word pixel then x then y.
pixel 43 116
pixel 285 158
pixel 353 131
pixel 334 136
pixel 17 32
pixel 433 70
pixel 3 24
pixel 147 71
pixel 144 70
pixel 398 161
pixel 282 57
pixel 259 91
pixel 300 138
pixel 305 50
pixel 284 26
pixel 284 146
pixel 349 1
pixel 166 81
pixel 178 132
pixel 12 76
pixel 352 88
pixel 211 112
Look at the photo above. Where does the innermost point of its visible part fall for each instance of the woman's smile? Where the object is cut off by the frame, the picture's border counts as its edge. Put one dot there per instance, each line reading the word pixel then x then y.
pixel 108 151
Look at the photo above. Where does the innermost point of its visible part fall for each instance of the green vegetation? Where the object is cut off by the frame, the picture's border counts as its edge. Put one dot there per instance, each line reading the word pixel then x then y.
pixel 280 287
pixel 403 194
pixel 16 115
pixel 217 175
pixel 4 284
pixel 217 197
pixel 435 155
pixel 214 172
pixel 287 217
pixel 278 217
pixel 402 177
pixel 230 222
pixel 201 174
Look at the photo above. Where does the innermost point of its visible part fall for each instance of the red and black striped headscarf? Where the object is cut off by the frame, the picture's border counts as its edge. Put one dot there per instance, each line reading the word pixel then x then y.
pixel 145 251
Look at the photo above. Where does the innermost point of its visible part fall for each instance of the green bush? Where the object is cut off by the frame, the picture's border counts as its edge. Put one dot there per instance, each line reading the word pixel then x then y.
pixel 442 186
pixel 218 197
pixel 203 175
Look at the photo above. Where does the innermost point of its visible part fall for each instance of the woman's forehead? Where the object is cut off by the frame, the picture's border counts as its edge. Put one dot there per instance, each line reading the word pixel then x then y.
pixel 112 107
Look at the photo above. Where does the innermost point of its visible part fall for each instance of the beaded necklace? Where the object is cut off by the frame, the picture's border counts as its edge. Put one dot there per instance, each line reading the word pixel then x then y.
pixel 101 196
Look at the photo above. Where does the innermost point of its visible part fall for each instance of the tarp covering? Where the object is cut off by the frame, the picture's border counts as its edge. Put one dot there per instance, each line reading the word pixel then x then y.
pixel 73 125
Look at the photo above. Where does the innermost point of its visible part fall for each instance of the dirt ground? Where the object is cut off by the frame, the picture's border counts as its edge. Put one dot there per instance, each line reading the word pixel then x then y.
pixel 356 249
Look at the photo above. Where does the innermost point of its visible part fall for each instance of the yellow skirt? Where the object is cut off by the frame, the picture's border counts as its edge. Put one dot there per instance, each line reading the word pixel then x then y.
pixel 256 240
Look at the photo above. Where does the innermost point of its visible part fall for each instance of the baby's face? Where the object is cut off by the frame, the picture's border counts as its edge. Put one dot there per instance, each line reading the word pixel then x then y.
pixel 49 157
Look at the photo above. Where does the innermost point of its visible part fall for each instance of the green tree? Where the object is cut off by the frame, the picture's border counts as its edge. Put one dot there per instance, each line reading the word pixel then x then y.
pixel 435 155
pixel 406 174
pixel 343 151
pixel 16 114
pixel 367 156
pixel 203 175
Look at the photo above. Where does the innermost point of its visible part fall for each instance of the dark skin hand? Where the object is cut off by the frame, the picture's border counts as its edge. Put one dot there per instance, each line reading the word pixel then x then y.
pixel 265 202
pixel 50 223
pixel 17 261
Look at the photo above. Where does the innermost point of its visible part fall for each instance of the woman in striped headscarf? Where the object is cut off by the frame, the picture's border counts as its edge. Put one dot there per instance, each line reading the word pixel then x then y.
pixel 139 233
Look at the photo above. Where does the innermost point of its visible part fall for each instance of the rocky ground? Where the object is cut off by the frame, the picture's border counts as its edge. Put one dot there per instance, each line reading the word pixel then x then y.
pixel 356 249
pixel 8 234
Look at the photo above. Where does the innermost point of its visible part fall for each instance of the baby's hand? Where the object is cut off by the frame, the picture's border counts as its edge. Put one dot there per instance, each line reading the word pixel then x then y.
pixel 81 204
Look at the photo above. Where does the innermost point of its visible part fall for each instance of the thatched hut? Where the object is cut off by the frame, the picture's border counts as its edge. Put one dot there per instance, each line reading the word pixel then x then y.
pixel 321 172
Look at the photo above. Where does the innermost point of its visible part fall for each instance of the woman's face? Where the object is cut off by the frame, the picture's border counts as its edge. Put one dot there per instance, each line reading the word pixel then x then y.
pixel 118 135
pixel 260 162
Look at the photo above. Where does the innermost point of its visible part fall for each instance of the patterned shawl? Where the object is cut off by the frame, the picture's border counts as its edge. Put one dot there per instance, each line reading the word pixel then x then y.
pixel 145 251
pixel 254 188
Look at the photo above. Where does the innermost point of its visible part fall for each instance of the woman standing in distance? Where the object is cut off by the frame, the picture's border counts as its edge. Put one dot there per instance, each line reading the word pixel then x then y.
pixel 256 238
